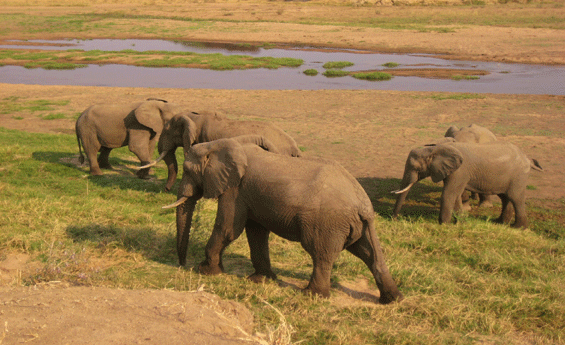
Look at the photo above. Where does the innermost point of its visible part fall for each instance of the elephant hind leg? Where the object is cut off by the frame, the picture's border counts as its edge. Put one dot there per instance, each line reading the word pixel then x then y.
pixel 368 249
pixel 103 158
pixel 258 240
pixel 506 212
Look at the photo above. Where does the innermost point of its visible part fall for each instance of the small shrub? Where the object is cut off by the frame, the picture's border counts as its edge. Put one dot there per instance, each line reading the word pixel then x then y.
pixel 337 64
pixel 390 64
pixel 311 72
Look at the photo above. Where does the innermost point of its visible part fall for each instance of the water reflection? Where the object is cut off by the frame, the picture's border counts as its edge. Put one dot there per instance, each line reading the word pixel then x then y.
pixel 503 78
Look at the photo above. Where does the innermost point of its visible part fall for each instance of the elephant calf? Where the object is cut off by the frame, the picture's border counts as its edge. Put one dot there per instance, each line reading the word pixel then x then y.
pixel 103 127
pixel 312 201
pixel 493 168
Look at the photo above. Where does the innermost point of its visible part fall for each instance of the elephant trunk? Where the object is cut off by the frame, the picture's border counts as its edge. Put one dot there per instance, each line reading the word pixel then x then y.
pixel 184 222
pixel 410 178
pixel 172 167
pixel 188 195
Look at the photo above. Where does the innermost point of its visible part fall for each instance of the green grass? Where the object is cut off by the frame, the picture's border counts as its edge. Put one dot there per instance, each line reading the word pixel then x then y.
pixel 337 64
pixel 76 58
pixel 473 282
pixel 333 73
pixel 390 64
pixel 310 72
pixel 465 77
pixel 373 76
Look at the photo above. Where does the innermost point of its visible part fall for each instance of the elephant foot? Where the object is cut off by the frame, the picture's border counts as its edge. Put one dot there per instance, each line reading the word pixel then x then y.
pixel 389 297
pixel 310 290
pixel 143 174
pixel 106 166
pixel 520 224
pixel 96 172
pixel 209 270
pixel 262 278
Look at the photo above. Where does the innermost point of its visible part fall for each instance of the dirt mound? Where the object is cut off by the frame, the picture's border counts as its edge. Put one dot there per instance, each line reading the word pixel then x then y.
pixel 56 314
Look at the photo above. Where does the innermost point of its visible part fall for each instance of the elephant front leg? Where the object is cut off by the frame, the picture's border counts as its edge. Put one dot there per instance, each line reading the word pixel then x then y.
pixel 258 240
pixel 138 144
pixel 449 197
pixel 230 222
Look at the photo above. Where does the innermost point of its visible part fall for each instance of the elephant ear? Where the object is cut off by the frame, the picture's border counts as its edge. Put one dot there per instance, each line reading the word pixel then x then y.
pixel 188 131
pixel 223 165
pixel 445 159
pixel 149 114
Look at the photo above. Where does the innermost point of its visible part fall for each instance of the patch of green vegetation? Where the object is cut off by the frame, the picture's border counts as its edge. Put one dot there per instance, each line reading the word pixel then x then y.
pixel 373 76
pixel 14 104
pixel 72 59
pixel 332 73
pixel 465 77
pixel 457 96
pixel 337 64
pixel 54 116
pixel 390 64
pixel 311 72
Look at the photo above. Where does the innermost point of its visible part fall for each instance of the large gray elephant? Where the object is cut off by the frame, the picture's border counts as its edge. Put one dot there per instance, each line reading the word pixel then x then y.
pixel 493 168
pixel 472 134
pixel 312 201
pixel 103 127
pixel 191 128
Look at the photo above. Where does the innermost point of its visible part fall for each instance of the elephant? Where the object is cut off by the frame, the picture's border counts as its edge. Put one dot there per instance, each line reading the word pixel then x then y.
pixel 103 127
pixel 472 134
pixel 191 128
pixel 492 168
pixel 309 200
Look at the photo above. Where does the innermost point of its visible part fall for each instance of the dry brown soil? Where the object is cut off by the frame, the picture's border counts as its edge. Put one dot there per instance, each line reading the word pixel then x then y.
pixel 369 132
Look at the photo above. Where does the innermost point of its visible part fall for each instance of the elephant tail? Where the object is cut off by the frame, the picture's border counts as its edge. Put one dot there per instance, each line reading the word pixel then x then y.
pixel 534 164
pixel 81 156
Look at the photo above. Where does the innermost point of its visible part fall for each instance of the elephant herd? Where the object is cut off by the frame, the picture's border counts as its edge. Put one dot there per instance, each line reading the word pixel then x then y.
pixel 263 184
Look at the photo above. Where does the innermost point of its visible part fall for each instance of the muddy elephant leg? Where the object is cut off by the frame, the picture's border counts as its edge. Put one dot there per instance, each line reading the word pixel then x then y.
pixel 368 249
pixel 103 157
pixel 138 144
pixel 258 239
pixel 230 222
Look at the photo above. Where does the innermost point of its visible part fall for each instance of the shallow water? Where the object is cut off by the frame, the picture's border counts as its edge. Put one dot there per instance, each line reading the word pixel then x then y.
pixel 503 78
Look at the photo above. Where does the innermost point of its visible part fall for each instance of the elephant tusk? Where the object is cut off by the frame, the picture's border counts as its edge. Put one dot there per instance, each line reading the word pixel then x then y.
pixel 177 203
pixel 154 162
pixel 403 190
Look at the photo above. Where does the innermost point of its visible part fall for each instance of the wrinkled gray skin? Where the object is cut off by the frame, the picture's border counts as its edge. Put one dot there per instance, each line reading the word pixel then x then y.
pixel 103 127
pixel 472 134
pixel 493 168
pixel 192 128
pixel 312 201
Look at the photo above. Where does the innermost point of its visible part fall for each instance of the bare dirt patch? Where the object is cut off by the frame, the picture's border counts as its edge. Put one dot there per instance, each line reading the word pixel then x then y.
pixel 58 314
